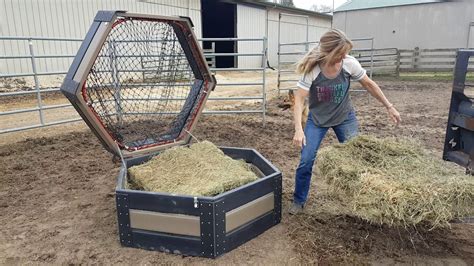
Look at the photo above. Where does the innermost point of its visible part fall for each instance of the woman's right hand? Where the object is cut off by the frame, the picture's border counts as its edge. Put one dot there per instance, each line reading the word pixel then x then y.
pixel 299 139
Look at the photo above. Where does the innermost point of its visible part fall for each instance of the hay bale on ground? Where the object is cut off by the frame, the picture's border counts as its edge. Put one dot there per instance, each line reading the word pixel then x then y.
pixel 200 170
pixel 396 182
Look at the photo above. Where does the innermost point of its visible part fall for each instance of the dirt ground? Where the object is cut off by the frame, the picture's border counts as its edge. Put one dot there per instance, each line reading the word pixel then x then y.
pixel 57 194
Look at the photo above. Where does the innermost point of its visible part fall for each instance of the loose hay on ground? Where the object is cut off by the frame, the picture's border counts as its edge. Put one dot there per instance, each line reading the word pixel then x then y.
pixel 199 170
pixel 396 182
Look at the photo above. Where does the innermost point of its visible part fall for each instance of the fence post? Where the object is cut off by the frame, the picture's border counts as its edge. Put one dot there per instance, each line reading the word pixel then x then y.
pixel 264 68
pixel 279 51
pixel 116 80
pixel 371 57
pixel 307 35
pixel 143 68
pixel 416 54
pixel 35 77
pixel 397 70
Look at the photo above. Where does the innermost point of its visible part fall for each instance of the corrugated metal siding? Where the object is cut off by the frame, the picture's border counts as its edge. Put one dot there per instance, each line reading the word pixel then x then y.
pixel 250 24
pixel 69 19
pixel 429 26
pixel 72 18
pixel 292 29
pixel 470 41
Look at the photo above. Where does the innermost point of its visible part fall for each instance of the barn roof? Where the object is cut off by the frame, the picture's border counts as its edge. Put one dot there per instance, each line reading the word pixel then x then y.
pixel 369 4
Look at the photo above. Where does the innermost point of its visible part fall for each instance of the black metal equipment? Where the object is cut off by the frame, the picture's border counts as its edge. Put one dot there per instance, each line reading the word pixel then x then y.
pixel 459 142
pixel 140 82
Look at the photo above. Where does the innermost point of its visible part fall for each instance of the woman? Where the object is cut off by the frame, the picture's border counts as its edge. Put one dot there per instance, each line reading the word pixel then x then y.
pixel 326 72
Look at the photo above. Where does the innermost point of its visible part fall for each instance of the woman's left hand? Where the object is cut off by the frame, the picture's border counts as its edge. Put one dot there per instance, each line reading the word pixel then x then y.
pixel 394 115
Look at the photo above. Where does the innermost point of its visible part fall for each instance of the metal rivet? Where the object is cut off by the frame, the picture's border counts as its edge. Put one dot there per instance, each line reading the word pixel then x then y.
pixel 118 205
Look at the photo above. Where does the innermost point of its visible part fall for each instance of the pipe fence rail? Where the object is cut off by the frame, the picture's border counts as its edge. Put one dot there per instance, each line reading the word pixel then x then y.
pixel 290 52
pixel 41 67
pixel 287 60
pixel 33 77
pixel 379 61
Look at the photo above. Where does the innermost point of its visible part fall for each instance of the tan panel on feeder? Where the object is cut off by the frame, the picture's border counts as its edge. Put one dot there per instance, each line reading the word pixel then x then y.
pixel 179 224
pixel 93 50
pixel 246 213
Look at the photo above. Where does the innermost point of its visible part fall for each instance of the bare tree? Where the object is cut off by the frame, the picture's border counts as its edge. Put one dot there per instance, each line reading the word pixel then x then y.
pixel 287 3
pixel 321 8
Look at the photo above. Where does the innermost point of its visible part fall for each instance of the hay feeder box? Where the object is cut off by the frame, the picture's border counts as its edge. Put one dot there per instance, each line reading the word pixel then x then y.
pixel 140 83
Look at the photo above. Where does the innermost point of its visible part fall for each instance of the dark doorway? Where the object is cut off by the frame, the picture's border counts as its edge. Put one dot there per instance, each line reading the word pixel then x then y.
pixel 218 21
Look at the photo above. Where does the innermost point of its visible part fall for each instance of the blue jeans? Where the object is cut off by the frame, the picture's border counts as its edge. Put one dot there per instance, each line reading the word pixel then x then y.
pixel 314 135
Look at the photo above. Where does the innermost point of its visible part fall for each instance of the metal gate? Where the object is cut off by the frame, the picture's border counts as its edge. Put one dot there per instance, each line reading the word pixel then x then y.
pixel 37 79
pixel 290 52
pixel 286 66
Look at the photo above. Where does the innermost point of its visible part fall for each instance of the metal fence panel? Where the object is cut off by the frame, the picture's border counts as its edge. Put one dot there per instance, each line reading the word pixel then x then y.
pixel 427 60
pixel 43 83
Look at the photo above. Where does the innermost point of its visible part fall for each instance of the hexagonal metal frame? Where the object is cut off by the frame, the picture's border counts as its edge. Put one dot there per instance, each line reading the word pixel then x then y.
pixel 74 83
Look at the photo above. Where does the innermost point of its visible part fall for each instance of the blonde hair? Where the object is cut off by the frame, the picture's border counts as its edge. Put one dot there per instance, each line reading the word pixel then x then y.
pixel 333 43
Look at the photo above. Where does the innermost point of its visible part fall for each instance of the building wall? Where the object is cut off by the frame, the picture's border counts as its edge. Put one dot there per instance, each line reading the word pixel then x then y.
pixel 250 24
pixel 292 29
pixel 69 19
pixel 72 18
pixel 259 22
pixel 433 25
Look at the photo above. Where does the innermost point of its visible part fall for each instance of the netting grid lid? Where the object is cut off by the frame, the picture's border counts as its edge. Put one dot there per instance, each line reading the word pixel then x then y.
pixel 140 82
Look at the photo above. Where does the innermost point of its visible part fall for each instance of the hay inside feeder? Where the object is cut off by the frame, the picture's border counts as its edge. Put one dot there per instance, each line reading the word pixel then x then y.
pixel 199 170
pixel 396 182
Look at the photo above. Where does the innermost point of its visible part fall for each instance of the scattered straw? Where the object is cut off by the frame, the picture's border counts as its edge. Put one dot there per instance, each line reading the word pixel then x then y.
pixel 200 170
pixel 396 182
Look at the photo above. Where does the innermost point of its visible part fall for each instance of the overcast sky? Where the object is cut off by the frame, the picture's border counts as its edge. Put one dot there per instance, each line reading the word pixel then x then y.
pixel 306 4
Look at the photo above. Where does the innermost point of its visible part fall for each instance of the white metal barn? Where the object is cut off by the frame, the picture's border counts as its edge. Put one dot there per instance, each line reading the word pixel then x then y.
pixel 257 19
pixel 211 18
pixel 406 24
